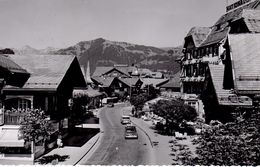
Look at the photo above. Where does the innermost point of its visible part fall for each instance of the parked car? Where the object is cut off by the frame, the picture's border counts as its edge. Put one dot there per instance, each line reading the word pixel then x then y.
pixel 125 119
pixel 130 132
pixel 110 104
pixel 145 118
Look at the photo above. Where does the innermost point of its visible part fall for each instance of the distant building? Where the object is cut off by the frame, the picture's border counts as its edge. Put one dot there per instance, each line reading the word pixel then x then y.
pixel 125 71
pixel 173 85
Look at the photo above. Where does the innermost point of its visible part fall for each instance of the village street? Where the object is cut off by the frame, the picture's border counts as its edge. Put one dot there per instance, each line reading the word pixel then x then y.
pixel 113 148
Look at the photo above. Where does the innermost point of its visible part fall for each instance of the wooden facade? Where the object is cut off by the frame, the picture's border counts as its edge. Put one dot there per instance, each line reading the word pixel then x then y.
pixel 52 97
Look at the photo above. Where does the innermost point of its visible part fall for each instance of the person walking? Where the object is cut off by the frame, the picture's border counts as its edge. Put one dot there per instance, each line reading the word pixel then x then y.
pixel 59 141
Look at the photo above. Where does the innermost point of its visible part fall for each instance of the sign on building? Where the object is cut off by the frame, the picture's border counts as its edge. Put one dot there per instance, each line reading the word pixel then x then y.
pixel 237 4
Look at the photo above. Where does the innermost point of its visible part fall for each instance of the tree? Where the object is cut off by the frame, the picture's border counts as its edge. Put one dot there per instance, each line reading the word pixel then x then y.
pixel 138 101
pixel 35 126
pixel 6 51
pixel 174 112
pixel 78 109
pixel 235 143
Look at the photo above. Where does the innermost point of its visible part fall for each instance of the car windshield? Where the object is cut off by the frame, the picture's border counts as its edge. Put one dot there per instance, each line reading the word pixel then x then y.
pixel 130 129
pixel 125 117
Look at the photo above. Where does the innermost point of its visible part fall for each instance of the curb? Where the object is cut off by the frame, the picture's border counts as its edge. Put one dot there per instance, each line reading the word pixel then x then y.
pixel 88 149
pixel 144 132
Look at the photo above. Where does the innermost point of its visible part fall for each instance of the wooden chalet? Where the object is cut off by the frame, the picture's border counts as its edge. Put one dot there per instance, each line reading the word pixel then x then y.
pixel 207 67
pixel 111 85
pixel 50 85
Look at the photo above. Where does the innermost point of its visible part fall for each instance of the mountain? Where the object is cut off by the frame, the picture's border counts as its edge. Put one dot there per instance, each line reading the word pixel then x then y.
pixel 101 52
pixel 29 50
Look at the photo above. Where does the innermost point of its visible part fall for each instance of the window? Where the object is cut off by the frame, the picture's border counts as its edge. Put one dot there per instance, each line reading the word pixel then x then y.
pixel 188 56
pixel 215 51
pixel 195 73
pixel 195 55
pixel 24 103
pixel 188 71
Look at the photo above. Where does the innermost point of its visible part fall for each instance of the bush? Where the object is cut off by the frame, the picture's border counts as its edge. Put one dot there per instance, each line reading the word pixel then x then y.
pixel 236 143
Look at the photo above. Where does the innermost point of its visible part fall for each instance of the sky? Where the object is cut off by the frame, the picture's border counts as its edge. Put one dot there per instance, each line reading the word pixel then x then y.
pixel 63 23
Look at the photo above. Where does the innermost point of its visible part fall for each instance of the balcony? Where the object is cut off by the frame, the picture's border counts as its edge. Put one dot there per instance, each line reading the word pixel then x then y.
pixel 13 118
pixel 193 79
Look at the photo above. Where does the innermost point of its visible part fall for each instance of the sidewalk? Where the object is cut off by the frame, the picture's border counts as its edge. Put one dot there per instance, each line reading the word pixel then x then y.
pixel 74 154
pixel 160 143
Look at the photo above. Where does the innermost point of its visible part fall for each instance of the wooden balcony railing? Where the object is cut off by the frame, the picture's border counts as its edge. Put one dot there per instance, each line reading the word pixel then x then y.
pixel 13 118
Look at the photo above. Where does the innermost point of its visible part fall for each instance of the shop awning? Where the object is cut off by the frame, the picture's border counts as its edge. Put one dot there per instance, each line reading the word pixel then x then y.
pixel 9 138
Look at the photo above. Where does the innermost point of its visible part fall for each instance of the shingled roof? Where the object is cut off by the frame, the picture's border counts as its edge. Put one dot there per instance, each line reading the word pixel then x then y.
pixel 198 34
pixel 100 70
pixel 47 71
pixel 252 19
pixel 246 59
pixel 225 97
pixel 221 28
pixel 130 81
pixel 103 81
pixel 173 82
pixel 216 36
pixel 8 64
pixel 154 82
pixel 233 15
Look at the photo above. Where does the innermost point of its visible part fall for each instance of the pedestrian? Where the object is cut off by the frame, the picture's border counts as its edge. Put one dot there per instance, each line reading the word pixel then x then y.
pixel 59 141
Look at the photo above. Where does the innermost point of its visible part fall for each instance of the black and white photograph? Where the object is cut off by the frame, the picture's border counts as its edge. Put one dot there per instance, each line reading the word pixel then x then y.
pixel 130 82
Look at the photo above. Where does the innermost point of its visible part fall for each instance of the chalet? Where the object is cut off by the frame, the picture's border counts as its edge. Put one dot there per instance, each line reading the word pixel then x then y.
pixel 121 71
pixel 111 85
pixel 49 85
pixel 105 84
pixel 131 85
pixel 125 71
pixel 204 45
pixel 204 51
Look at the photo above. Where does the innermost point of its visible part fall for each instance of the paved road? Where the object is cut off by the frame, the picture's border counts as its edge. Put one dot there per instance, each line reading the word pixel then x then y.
pixel 113 148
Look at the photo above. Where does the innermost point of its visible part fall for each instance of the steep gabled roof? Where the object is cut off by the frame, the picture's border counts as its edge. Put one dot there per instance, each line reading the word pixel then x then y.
pixel 105 70
pixel 103 81
pixel 246 59
pixel 233 15
pixel 216 36
pixel 120 70
pixel 130 81
pixel 8 64
pixel 225 97
pixel 101 70
pixel 198 34
pixel 153 81
pixel 221 28
pixel 47 71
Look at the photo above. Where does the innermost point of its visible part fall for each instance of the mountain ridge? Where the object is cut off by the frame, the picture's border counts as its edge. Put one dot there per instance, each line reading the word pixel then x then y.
pixel 102 52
